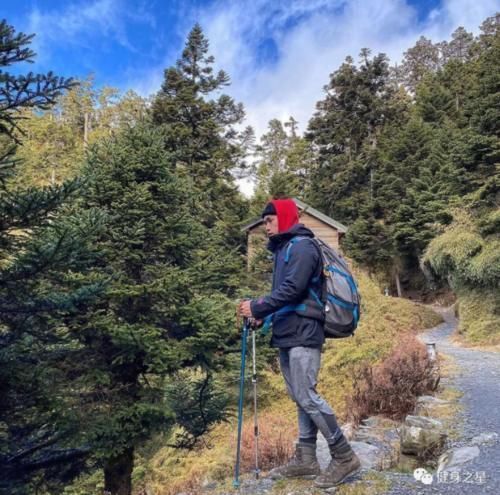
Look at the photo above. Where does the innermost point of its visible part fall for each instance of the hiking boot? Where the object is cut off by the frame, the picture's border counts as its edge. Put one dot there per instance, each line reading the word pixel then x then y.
pixel 344 463
pixel 303 464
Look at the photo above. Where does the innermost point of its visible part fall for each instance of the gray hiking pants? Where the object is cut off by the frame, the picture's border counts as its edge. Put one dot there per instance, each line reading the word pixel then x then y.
pixel 300 367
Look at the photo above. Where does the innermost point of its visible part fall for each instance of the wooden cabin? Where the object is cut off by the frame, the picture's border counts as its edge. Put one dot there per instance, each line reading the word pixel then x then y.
pixel 324 227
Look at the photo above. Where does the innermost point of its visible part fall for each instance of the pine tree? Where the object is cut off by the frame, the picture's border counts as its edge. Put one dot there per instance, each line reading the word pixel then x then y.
pixel 200 130
pixel 466 254
pixel 418 61
pixel 45 249
pixel 344 134
pixel 460 48
pixel 283 162
pixel 156 339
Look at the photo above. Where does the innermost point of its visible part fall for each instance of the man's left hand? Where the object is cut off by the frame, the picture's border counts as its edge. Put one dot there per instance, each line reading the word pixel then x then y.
pixel 244 309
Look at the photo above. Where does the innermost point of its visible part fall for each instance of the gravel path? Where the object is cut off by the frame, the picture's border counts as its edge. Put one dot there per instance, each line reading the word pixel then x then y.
pixel 478 379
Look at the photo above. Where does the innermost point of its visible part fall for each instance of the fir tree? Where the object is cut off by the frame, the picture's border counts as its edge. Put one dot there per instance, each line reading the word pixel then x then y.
pixel 344 133
pixel 152 345
pixel 200 132
pixel 45 250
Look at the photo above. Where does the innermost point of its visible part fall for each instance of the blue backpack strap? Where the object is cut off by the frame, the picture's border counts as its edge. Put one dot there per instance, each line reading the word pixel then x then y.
pixel 314 280
pixel 293 241
pixel 290 308
pixel 348 277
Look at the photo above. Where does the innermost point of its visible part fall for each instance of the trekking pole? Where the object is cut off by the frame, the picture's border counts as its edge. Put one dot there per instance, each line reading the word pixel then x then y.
pixel 236 482
pixel 255 418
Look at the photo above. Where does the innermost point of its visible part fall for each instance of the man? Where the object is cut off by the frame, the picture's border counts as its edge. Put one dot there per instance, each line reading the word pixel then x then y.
pixel 299 338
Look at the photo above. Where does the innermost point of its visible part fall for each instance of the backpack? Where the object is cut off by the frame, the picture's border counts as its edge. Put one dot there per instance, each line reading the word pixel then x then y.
pixel 340 300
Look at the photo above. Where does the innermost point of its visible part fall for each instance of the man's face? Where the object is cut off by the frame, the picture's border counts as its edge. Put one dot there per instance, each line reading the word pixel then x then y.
pixel 271 225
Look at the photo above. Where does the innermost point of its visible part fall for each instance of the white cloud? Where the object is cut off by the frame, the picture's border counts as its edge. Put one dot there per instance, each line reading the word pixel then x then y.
pixel 323 33
pixel 82 24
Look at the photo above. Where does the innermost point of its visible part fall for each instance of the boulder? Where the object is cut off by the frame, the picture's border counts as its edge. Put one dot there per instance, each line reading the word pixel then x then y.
pixel 369 455
pixel 427 404
pixel 421 436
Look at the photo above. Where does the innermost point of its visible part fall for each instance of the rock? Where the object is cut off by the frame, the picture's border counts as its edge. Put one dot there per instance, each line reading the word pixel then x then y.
pixel 375 435
pixel 421 436
pixel 348 430
pixel 208 485
pixel 485 439
pixel 423 422
pixel 369 455
pixel 371 421
pixel 453 458
pixel 426 404
pixel 323 452
pixel 408 463
pixel 382 433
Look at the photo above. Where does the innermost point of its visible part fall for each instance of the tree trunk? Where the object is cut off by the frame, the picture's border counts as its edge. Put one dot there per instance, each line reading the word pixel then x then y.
pixel 398 284
pixel 86 125
pixel 118 473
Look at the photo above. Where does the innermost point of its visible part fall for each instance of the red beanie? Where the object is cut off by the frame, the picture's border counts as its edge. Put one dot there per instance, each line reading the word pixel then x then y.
pixel 287 212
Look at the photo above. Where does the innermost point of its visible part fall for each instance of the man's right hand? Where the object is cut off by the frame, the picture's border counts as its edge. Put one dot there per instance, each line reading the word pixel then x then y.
pixel 254 323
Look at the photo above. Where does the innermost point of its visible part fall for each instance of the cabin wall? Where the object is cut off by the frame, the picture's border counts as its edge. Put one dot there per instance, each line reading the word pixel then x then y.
pixel 322 230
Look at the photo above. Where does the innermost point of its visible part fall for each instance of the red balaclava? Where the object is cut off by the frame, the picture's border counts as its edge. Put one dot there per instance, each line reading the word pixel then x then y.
pixel 287 212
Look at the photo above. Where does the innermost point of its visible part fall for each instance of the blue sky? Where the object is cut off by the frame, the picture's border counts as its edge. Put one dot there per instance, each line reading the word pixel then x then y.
pixel 278 53
pixel 121 40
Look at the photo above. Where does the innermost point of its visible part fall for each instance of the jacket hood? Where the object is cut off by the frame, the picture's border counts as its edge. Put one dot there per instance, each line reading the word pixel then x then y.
pixel 287 212
pixel 277 240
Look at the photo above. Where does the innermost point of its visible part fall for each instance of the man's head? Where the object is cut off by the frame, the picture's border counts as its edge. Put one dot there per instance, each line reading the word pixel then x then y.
pixel 270 219
pixel 280 215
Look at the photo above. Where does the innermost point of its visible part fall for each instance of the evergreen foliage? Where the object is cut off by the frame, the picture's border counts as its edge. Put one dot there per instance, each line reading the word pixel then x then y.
pixel 45 251
pixel 391 164
pixel 163 312
pixel 200 130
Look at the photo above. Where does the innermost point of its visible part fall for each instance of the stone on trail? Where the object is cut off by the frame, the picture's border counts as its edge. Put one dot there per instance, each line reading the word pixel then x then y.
pixel 485 439
pixel 453 458
pixel 369 455
pixel 428 404
pixel 421 435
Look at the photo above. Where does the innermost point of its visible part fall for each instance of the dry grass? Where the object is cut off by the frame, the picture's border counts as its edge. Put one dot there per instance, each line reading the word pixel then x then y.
pixel 277 434
pixel 479 324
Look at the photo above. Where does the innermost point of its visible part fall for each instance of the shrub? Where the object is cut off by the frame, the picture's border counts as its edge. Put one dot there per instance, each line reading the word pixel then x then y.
pixel 391 388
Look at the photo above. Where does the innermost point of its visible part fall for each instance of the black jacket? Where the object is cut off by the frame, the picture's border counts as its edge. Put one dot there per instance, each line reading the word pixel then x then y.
pixel 291 282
